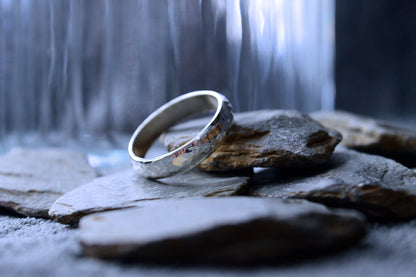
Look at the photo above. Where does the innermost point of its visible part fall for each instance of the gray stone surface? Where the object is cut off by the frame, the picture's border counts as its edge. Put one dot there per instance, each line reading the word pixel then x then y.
pixel 379 187
pixel 40 247
pixel 372 136
pixel 32 179
pixel 231 230
pixel 266 138
pixel 126 189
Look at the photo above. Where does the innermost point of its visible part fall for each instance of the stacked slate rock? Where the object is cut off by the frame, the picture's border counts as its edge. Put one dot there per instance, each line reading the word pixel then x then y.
pixel 372 136
pixel 305 196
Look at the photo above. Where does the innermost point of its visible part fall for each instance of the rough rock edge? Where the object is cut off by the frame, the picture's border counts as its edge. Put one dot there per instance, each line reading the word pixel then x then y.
pixel 403 208
pixel 372 136
pixel 74 218
pixel 230 149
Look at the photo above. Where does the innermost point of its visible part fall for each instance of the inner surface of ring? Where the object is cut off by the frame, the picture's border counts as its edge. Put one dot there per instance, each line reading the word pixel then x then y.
pixel 169 117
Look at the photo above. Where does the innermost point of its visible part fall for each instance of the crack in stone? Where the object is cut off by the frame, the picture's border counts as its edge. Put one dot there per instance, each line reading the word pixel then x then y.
pixel 30 191
pixel 11 174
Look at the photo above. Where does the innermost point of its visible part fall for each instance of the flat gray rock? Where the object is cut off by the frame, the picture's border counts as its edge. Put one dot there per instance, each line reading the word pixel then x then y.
pixel 126 189
pixel 267 138
pixel 372 136
pixel 44 248
pixel 381 188
pixel 32 179
pixel 236 230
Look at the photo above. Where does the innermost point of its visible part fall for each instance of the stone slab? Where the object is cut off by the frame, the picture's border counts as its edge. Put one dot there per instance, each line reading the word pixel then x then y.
pixel 265 138
pixel 372 136
pixel 40 247
pixel 126 189
pixel 226 230
pixel 381 188
pixel 32 179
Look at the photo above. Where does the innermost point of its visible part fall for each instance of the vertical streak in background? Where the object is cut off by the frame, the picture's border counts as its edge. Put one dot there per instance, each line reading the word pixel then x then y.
pixel 108 64
pixel 2 80
pixel 76 115
pixel 46 104
pixel 17 56
pixel 234 45
pixel 174 53
pixel 327 57
pixel 28 78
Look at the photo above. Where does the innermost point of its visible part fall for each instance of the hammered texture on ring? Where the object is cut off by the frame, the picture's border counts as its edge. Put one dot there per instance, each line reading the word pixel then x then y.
pixel 195 150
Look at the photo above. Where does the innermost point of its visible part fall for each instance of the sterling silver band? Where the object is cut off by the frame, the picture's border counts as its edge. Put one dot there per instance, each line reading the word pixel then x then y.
pixel 195 150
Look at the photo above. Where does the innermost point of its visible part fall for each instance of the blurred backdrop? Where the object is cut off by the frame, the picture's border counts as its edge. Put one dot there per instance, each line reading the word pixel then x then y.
pixel 376 58
pixel 88 71
pixel 78 69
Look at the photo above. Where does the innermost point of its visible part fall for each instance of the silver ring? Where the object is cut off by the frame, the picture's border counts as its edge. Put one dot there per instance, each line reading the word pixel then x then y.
pixel 192 152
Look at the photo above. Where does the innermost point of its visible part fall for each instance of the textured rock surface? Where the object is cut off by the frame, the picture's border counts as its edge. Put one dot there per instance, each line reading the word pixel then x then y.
pixel 32 179
pixel 379 187
pixel 40 247
pixel 267 138
pixel 372 136
pixel 126 189
pixel 220 230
